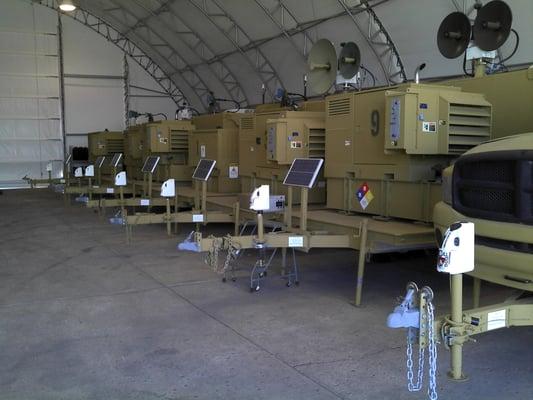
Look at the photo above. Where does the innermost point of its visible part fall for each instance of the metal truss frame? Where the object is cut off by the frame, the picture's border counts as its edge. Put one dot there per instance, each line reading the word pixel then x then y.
pixel 114 36
pixel 254 56
pixel 202 50
pixel 379 41
pixel 159 44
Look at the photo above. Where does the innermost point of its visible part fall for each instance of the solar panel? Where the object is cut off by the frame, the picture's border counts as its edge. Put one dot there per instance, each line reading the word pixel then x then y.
pixel 150 164
pixel 117 158
pixel 303 172
pixel 203 169
pixel 99 161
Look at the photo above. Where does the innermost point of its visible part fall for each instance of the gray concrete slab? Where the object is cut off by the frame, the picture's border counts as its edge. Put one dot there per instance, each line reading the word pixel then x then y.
pixel 83 315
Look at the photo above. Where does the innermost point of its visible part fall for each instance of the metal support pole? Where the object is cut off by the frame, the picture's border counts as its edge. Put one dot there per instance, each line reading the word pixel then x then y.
pixel 176 202
pixel 303 209
pixel 90 189
pixel 126 89
pixel 288 211
pixel 361 262
pixel 204 200
pixel 150 178
pixel 479 68
pixel 123 212
pixel 260 227
pixel 283 260
pixel 196 195
pixel 169 224
pixel 476 292
pixel 237 218
pixel 456 287
pixel 61 76
pixel 144 184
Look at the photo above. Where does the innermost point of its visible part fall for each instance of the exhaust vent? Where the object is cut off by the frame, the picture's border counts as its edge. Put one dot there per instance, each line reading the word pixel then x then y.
pixel 247 123
pixel 317 143
pixel 339 106
pixel 469 126
pixel 115 146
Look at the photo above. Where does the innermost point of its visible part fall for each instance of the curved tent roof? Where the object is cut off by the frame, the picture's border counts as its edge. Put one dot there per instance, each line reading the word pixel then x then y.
pixel 236 47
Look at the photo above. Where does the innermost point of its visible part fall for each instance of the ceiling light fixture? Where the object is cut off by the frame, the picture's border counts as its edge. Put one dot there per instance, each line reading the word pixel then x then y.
pixel 66 5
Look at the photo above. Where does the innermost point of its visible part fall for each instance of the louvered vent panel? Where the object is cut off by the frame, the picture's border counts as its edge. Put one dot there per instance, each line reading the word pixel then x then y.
pixel 247 123
pixel 115 146
pixel 179 141
pixel 339 106
pixel 469 125
pixel 317 143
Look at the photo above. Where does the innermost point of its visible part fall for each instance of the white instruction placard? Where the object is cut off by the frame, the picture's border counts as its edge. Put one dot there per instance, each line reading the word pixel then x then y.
pixel 296 241
pixel 145 202
pixel 198 218
pixel 110 190
pixel 496 319
pixel 233 171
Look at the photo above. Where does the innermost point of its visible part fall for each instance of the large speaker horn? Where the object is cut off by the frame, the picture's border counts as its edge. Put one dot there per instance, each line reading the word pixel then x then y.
pixel 454 35
pixel 492 25
pixel 322 65
pixel 349 60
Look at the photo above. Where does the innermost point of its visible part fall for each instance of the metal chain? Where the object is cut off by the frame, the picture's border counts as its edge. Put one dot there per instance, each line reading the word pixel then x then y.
pixel 233 252
pixel 432 390
pixel 432 361
pixel 211 257
pixel 412 387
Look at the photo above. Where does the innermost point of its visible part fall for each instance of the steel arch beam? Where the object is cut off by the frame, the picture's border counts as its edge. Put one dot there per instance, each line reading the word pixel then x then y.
pixel 224 75
pixel 376 35
pixel 194 82
pixel 283 10
pixel 114 36
pixel 261 66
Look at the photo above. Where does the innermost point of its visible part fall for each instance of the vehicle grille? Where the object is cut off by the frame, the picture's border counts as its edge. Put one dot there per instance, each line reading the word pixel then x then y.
pixel 509 245
pixel 496 186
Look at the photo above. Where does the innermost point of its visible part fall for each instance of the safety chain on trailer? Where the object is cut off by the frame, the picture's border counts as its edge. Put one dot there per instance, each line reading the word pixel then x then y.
pixel 211 258
pixel 425 329
pixel 233 252
pixel 432 390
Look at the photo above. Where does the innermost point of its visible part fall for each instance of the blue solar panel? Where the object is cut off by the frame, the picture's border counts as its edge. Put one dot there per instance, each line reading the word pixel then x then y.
pixel 303 172
pixel 99 161
pixel 117 157
pixel 150 164
pixel 204 169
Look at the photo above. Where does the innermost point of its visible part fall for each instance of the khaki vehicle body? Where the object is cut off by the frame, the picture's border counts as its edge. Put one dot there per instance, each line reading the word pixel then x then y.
pixel 492 186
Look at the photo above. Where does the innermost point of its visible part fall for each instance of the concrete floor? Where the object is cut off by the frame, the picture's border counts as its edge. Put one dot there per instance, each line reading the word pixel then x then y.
pixel 85 316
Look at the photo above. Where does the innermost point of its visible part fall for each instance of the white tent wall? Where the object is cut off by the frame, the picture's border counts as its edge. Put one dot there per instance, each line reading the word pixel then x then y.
pixel 30 128
pixel 95 101
pixel 29 96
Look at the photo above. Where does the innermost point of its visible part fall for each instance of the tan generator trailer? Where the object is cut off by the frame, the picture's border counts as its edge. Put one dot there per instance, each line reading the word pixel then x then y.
pixel 386 148
pixel 272 137
pixel 216 137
